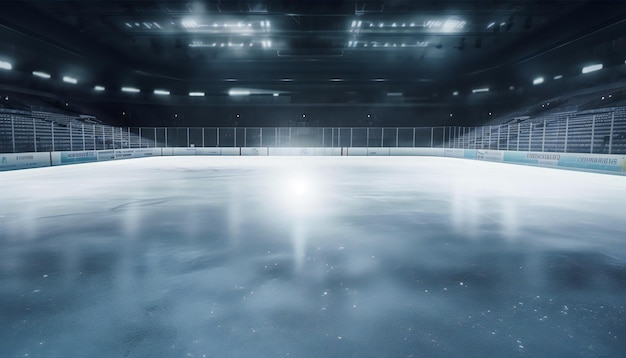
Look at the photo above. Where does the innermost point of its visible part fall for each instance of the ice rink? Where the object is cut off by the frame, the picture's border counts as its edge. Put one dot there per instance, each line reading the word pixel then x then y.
pixel 311 257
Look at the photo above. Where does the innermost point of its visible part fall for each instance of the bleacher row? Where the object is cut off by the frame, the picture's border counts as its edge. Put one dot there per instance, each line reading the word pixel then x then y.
pixel 611 95
pixel 600 131
pixel 39 131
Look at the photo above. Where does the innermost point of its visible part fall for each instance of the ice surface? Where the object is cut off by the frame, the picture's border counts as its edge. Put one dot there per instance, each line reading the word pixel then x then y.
pixel 305 256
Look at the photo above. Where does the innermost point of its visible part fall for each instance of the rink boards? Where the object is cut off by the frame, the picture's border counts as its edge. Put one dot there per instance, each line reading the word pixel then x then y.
pixel 605 163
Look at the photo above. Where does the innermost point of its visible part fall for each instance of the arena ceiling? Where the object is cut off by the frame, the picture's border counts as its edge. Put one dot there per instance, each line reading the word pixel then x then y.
pixel 322 51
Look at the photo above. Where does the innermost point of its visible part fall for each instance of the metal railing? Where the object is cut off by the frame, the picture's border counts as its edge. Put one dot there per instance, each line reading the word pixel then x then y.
pixel 595 131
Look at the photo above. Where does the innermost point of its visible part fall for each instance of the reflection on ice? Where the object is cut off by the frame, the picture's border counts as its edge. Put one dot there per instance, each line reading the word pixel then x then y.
pixel 311 257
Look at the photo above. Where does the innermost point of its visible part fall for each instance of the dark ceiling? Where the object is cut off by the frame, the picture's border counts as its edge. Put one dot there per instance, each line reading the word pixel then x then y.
pixel 394 52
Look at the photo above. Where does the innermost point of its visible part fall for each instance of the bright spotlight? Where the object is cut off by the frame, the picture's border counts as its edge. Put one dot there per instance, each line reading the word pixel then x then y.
pixel 299 187
pixel 130 89
pixel 41 74
pixel 189 24
pixel 480 90
pixel 236 92
pixel 68 79
pixel 6 65
pixel 592 68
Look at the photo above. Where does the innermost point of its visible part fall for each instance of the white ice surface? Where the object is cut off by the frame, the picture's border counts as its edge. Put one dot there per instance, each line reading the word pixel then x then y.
pixel 306 256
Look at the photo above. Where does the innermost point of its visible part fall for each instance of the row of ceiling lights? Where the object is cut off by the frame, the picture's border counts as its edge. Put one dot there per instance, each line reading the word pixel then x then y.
pixel 448 25
pixel 268 44
pixel 445 25
pixel 5 65
pixel 199 43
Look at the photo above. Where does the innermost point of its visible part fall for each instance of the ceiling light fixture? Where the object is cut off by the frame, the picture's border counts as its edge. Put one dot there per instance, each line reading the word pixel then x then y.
pixel 236 92
pixel 99 88
pixel 71 80
pixel 189 24
pixel 592 68
pixel 196 94
pixel 130 89
pixel 6 65
pixel 480 90
pixel 41 74
pixel 161 92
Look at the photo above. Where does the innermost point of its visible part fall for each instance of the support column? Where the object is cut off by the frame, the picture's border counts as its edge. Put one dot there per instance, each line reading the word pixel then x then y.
pixel 508 136
pixel 351 137
pixel 52 131
pixel 431 137
pixel 593 132
pixel 543 137
pixel 338 137
pixel 71 138
pixel 397 129
pixel 611 132
pixel 475 138
pixel 566 132
pixel 463 138
pixel 82 128
pixel 482 137
pixel 34 135
pixel 498 145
